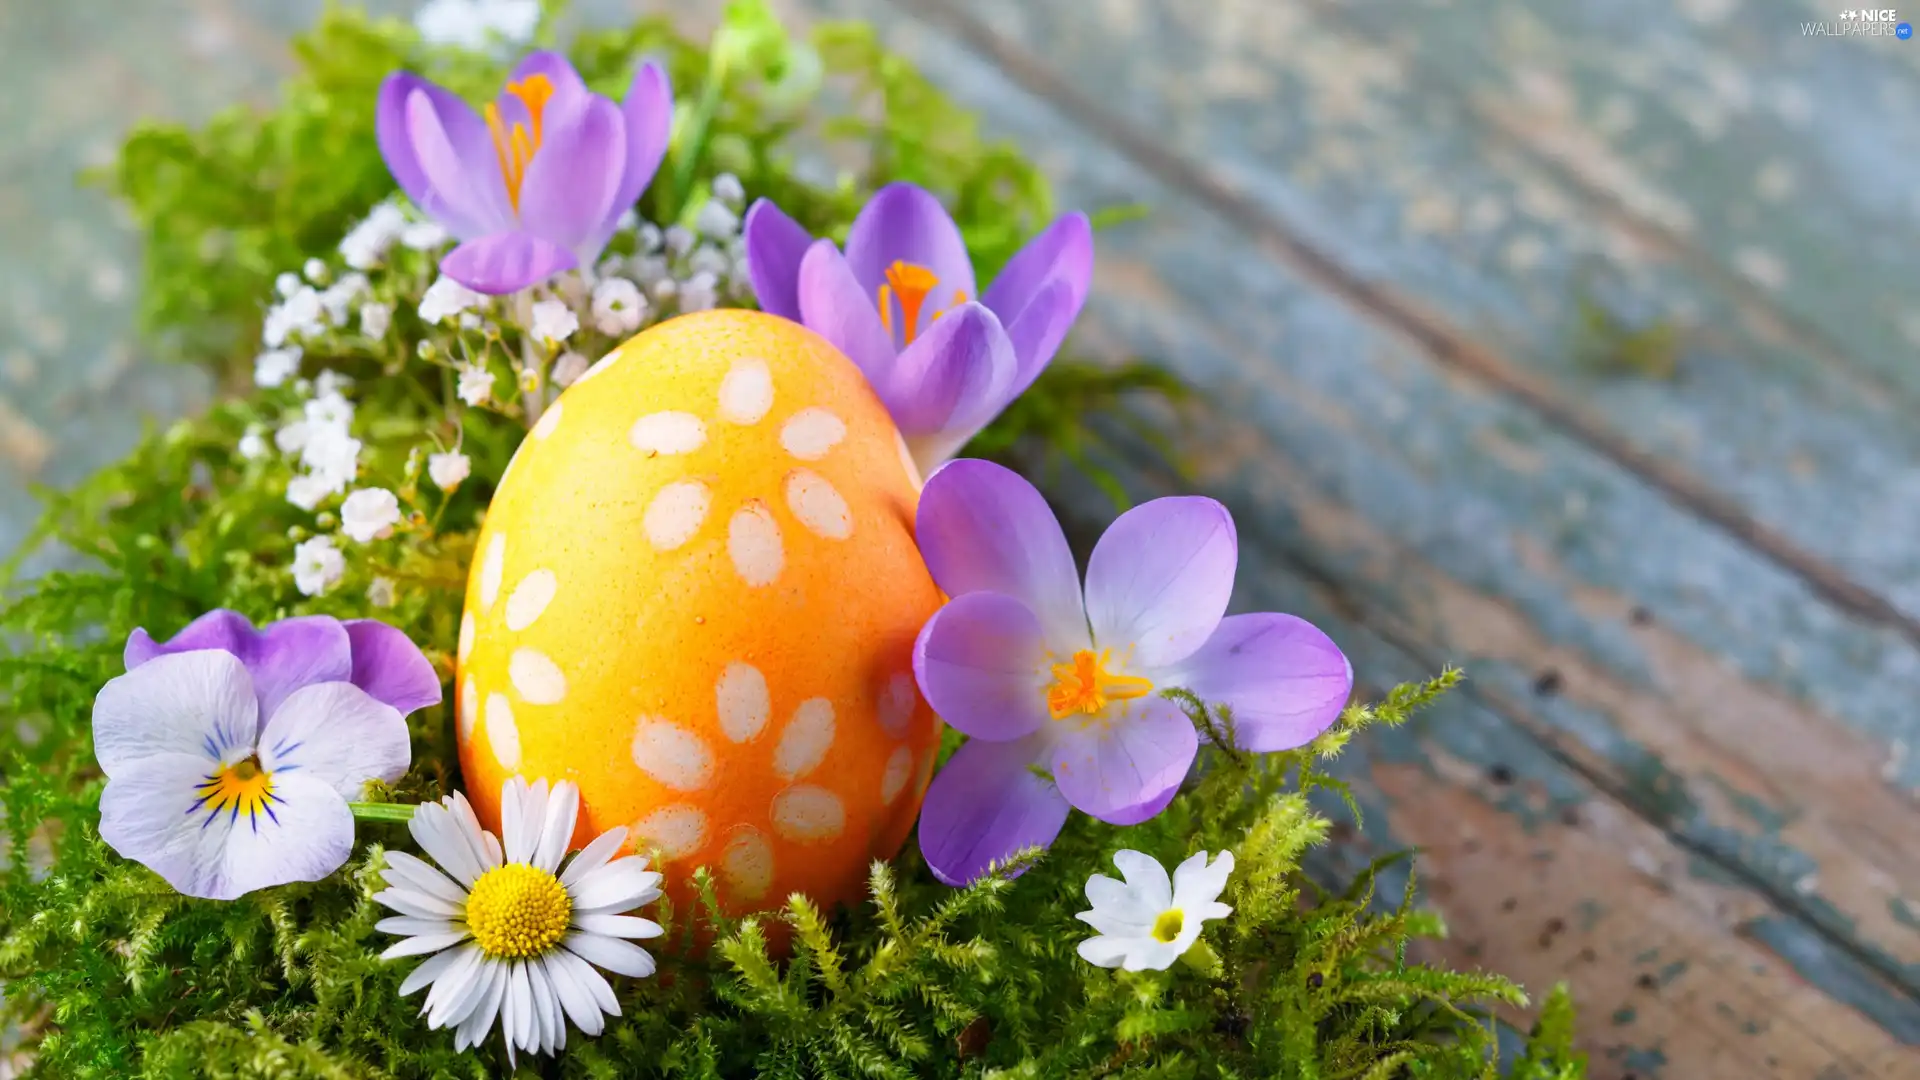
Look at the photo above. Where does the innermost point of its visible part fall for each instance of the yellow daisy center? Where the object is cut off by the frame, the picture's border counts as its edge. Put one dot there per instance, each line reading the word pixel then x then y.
pixel 1168 925
pixel 1084 685
pixel 516 911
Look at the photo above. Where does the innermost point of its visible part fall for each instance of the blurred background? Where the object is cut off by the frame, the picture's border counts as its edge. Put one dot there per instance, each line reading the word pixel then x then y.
pixel 1572 344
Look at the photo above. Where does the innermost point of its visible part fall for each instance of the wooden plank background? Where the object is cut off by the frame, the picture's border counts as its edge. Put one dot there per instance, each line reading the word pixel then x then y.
pixel 1399 246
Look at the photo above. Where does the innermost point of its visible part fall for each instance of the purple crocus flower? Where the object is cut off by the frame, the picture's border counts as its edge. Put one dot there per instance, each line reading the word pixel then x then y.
pixel 538 185
pixel 901 304
pixel 1048 680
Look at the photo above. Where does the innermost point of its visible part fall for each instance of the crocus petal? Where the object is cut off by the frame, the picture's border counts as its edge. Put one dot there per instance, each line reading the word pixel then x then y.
pixel 281 658
pixel 1159 581
pixel 981 662
pixel 1063 253
pixel 194 704
pixel 1126 768
pixel 949 383
pixel 389 666
pixel 506 262
pixel 647 117
pixel 985 805
pixel 1037 332
pixel 904 223
pixel 465 190
pixel 571 183
pixel 835 305
pixel 337 734
pixel 775 245
pixel 1284 680
pixel 150 813
pixel 983 527
pixel 462 128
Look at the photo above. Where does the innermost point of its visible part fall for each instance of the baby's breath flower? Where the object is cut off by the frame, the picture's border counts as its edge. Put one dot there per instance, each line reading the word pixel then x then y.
pixel 708 259
pixel 332 455
pixel 679 241
pixel 275 366
pixel 628 221
pixel 448 469
pixel 476 385
pixel 423 235
pixel 315 271
pixel 330 383
pixel 306 490
pixel 369 514
pixel 553 322
pixel 317 566
pixel 651 270
pixel 299 314
pixel 286 284
pixel 292 437
pixel 252 446
pixel 340 296
pixel 665 290
pixel 727 189
pixel 445 298
pixel 367 243
pixel 380 592
pixel 618 307
pixel 568 369
pixel 715 220
pixel 329 408
pixel 700 292
pixel 375 317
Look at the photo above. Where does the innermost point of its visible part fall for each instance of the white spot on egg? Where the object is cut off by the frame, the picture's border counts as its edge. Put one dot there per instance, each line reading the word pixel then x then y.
pixel 897 703
pixel 491 569
pixel 676 514
pixel 753 541
pixel 805 742
pixel 668 433
pixel 466 635
pixel 746 394
pixel 530 598
pixel 899 771
pixel 747 864
pixel 808 814
pixel 671 754
pixel 818 506
pixel 810 433
pixel 548 421
pixel 502 733
pixel 599 366
pixel 538 679
pixel 469 709
pixel 678 831
pixel 742 700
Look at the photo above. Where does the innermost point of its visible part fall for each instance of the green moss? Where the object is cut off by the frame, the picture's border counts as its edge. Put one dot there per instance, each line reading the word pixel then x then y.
pixel 110 974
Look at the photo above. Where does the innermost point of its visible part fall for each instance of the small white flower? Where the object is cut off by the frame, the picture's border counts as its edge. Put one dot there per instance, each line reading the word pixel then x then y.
pixel 222 789
pixel 618 307
pixel 291 438
pixel 286 284
pixel 448 469
pixel 332 455
pixel 318 566
pixel 307 490
pixel 447 297
pixel 315 271
pixel 715 220
pixel 375 317
pixel 651 270
pixel 568 369
pixel 648 238
pixel 330 383
pixel 700 292
pixel 1147 921
pixel 471 321
pixel 369 514
pixel 679 241
pixel 423 235
pixel 476 385
pixel 275 366
pixel 367 243
pixel 665 290
pixel 726 188
pixel 329 408
pixel 628 220
pixel 509 934
pixel 252 446
pixel 340 296
pixel 553 322
pixel 299 314
pixel 381 593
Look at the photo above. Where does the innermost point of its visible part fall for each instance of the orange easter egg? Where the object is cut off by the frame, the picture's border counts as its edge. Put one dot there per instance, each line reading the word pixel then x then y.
pixel 695 595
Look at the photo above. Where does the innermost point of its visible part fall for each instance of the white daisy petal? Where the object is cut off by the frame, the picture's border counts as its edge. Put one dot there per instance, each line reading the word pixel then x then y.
pixel 595 855
pixel 414 873
pixel 479 1021
pixel 622 926
pixel 416 904
pixel 436 827
pixel 518 1017
pixel 584 975
pixel 563 810
pixel 572 992
pixel 456 991
pixel 430 969
pixel 195 703
pixel 409 926
pixel 523 808
pixel 485 845
pixel 613 954
pixel 418 946
pixel 616 887
pixel 546 1000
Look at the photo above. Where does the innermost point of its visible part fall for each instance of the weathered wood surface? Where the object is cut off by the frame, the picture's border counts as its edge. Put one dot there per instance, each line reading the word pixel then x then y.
pixel 1688 608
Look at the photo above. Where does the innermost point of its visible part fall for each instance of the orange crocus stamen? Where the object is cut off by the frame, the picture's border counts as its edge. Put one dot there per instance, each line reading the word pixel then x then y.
pixel 1083 685
pixel 515 148
pixel 909 283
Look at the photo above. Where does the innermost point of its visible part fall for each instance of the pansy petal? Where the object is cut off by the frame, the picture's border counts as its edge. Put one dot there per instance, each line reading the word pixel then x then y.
pixel 304 834
pixel 905 223
pixel 390 667
pixel 985 805
pixel 506 262
pixel 281 657
pixel 338 735
pixel 465 191
pixel 571 183
pixel 217 629
pixel 981 662
pixel 196 704
pixel 775 245
pixel 1062 253
pixel 1037 332
pixel 646 115
pixel 984 528
pixel 836 306
pixel 1159 581
pixel 1127 768
pixel 949 383
pixel 1284 680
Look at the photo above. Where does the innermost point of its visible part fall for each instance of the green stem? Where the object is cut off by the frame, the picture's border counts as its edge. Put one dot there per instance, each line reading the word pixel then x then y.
pixel 697 132
pixel 382 811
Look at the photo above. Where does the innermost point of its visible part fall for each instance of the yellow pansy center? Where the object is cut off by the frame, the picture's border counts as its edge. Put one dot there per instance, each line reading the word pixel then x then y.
pixel 242 788
pixel 1168 925
pixel 910 283
pixel 1084 685
pixel 515 146
pixel 516 911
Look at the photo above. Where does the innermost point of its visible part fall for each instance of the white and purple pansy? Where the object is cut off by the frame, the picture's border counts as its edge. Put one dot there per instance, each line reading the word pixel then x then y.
pixel 231 753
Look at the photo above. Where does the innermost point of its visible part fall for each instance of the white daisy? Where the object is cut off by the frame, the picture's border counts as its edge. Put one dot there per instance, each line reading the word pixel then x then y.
pixel 1148 921
pixel 511 934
